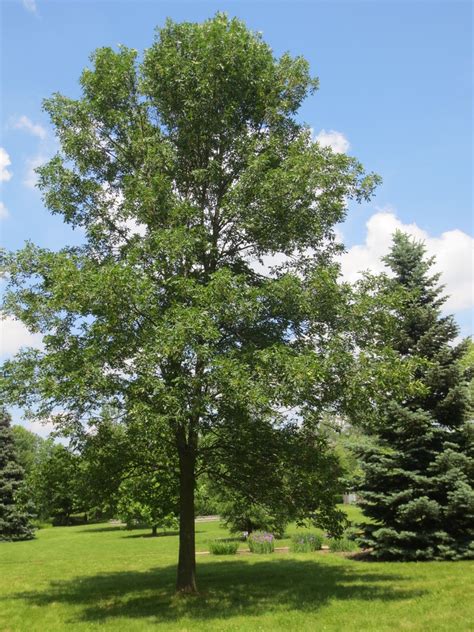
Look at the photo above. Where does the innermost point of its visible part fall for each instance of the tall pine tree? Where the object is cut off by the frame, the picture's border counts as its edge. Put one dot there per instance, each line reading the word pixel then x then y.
pixel 418 473
pixel 14 519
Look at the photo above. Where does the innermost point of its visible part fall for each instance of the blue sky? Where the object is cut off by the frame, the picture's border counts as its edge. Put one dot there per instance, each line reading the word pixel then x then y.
pixel 395 91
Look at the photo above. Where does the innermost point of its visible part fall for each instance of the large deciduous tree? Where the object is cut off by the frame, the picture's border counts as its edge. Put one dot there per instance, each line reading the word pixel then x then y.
pixel 418 475
pixel 184 170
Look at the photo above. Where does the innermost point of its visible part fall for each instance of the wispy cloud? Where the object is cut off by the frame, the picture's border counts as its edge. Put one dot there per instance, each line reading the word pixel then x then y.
pixel 31 178
pixel 3 211
pixel 14 335
pixel 30 5
pixel 24 123
pixel 5 162
pixel 333 139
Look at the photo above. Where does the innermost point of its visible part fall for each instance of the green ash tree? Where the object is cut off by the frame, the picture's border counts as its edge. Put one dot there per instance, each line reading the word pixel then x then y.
pixel 418 475
pixel 15 517
pixel 184 168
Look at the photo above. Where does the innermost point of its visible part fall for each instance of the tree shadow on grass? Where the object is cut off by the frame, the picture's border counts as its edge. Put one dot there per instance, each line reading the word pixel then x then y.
pixel 229 588
pixel 116 527
pixel 160 534
pixel 127 532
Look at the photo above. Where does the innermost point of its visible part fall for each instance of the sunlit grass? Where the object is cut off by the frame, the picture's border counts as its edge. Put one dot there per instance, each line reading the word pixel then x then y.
pixel 98 576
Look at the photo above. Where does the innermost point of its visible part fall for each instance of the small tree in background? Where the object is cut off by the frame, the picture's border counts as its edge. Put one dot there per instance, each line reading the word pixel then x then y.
pixel 28 447
pixel 417 482
pixel 56 484
pixel 149 500
pixel 15 517
pixel 240 516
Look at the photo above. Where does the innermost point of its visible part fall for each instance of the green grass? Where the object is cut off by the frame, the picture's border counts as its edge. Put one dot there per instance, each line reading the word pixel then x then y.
pixel 100 577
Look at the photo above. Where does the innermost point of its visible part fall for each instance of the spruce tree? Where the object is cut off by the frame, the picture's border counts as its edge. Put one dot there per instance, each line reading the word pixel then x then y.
pixel 417 484
pixel 14 519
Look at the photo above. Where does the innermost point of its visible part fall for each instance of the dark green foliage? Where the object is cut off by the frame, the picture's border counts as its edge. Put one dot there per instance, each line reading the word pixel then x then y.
pixel 125 472
pixel 418 475
pixel 56 484
pixel 15 516
pixel 280 474
pixel 240 515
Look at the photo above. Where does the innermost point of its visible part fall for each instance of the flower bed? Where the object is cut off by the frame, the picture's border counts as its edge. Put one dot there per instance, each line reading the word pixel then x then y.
pixel 261 542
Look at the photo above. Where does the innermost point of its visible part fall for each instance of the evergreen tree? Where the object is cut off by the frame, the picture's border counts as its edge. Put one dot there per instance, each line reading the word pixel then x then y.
pixel 14 519
pixel 417 483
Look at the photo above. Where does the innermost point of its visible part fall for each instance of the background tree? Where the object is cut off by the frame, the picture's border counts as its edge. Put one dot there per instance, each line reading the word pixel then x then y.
pixel 418 476
pixel 149 500
pixel 15 517
pixel 56 484
pixel 240 517
pixel 119 458
pixel 184 170
pixel 28 446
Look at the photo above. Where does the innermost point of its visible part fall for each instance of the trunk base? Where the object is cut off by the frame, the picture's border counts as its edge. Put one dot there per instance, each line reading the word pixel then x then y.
pixel 188 591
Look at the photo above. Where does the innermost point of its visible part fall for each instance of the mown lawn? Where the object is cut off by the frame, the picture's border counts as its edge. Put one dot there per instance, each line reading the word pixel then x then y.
pixel 98 576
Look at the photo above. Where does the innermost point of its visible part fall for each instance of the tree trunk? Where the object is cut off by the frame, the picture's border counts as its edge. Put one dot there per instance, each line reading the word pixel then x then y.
pixel 154 530
pixel 186 580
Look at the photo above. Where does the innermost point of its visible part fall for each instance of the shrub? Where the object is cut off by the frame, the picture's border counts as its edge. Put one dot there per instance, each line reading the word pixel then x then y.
pixel 306 542
pixel 261 542
pixel 223 547
pixel 342 545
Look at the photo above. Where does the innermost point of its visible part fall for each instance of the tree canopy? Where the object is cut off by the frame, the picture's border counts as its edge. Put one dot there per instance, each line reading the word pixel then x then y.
pixel 184 168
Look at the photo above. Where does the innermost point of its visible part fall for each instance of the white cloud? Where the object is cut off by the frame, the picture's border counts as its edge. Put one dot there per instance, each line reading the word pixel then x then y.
pixel 43 429
pixel 3 211
pixel 453 249
pixel 268 262
pixel 31 178
pixel 14 335
pixel 30 5
pixel 5 161
pixel 336 140
pixel 24 123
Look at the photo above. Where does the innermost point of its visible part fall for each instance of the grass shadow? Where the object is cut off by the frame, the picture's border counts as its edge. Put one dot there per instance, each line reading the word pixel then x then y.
pixel 229 588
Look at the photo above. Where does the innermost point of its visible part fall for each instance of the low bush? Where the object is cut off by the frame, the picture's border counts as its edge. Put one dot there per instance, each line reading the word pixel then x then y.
pixel 342 545
pixel 261 542
pixel 306 542
pixel 223 547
